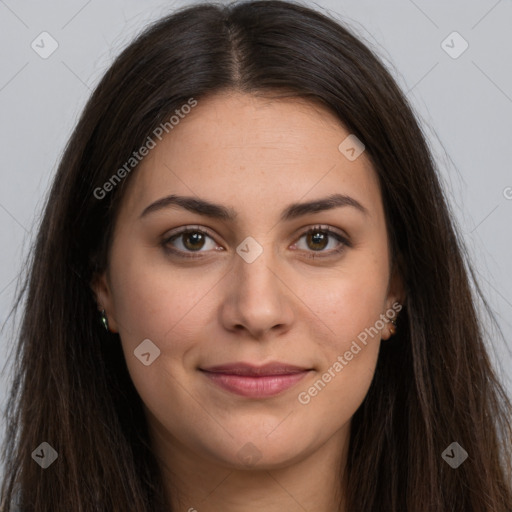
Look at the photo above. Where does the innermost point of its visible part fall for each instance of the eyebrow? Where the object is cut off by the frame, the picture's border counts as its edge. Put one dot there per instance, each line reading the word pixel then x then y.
pixel 221 212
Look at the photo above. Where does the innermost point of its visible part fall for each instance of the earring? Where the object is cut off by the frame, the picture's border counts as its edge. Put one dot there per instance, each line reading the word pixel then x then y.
pixel 392 328
pixel 104 320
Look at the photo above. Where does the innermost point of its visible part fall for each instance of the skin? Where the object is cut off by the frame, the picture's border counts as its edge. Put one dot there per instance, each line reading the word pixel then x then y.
pixel 255 156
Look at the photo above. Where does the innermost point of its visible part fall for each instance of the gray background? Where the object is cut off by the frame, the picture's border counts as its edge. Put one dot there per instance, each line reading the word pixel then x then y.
pixel 464 105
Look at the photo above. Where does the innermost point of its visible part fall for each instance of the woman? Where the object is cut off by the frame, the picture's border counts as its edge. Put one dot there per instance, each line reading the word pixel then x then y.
pixel 286 319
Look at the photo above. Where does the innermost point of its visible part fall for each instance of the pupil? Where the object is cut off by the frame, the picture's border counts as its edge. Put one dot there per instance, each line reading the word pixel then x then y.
pixel 318 238
pixel 197 237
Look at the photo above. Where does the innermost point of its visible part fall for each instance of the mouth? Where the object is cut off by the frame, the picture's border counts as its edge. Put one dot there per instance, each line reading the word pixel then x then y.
pixel 255 381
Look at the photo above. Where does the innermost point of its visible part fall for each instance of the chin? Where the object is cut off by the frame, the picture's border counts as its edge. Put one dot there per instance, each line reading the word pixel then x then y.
pixel 258 452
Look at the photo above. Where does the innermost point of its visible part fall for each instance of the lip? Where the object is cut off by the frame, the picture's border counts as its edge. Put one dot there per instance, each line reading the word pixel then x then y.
pixel 251 370
pixel 255 381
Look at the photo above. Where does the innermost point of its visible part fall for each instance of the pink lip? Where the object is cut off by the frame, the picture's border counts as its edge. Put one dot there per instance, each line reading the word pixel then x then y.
pixel 255 381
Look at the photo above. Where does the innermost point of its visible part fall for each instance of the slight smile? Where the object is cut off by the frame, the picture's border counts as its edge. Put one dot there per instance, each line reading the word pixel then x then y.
pixel 255 381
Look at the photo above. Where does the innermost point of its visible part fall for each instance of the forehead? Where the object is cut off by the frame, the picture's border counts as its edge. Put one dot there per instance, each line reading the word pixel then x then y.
pixel 253 152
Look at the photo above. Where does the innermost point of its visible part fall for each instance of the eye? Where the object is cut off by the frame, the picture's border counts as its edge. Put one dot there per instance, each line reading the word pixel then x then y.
pixel 318 238
pixel 191 239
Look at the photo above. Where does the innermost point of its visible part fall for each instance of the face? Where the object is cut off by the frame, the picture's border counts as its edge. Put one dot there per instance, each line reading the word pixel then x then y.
pixel 252 281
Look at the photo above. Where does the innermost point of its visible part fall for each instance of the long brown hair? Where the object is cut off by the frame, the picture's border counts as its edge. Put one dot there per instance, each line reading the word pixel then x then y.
pixel 433 384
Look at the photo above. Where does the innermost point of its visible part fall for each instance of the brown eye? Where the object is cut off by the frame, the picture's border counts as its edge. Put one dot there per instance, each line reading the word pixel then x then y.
pixel 318 238
pixel 193 240
pixel 189 241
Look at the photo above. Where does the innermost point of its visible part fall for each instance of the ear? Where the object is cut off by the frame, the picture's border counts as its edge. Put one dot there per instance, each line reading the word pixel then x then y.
pixel 394 300
pixel 101 288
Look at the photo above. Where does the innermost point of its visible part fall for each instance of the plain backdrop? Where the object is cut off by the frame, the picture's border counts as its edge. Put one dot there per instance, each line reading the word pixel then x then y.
pixel 464 103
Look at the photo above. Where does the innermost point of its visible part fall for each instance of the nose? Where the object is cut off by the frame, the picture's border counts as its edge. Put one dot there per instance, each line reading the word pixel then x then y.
pixel 258 300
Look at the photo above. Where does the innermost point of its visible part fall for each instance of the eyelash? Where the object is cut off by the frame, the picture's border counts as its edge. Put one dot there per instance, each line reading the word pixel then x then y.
pixel 344 242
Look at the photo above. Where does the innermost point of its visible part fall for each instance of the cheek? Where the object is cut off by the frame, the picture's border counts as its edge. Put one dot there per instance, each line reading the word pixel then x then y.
pixel 351 301
pixel 348 355
pixel 157 302
pixel 338 391
pixel 168 308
